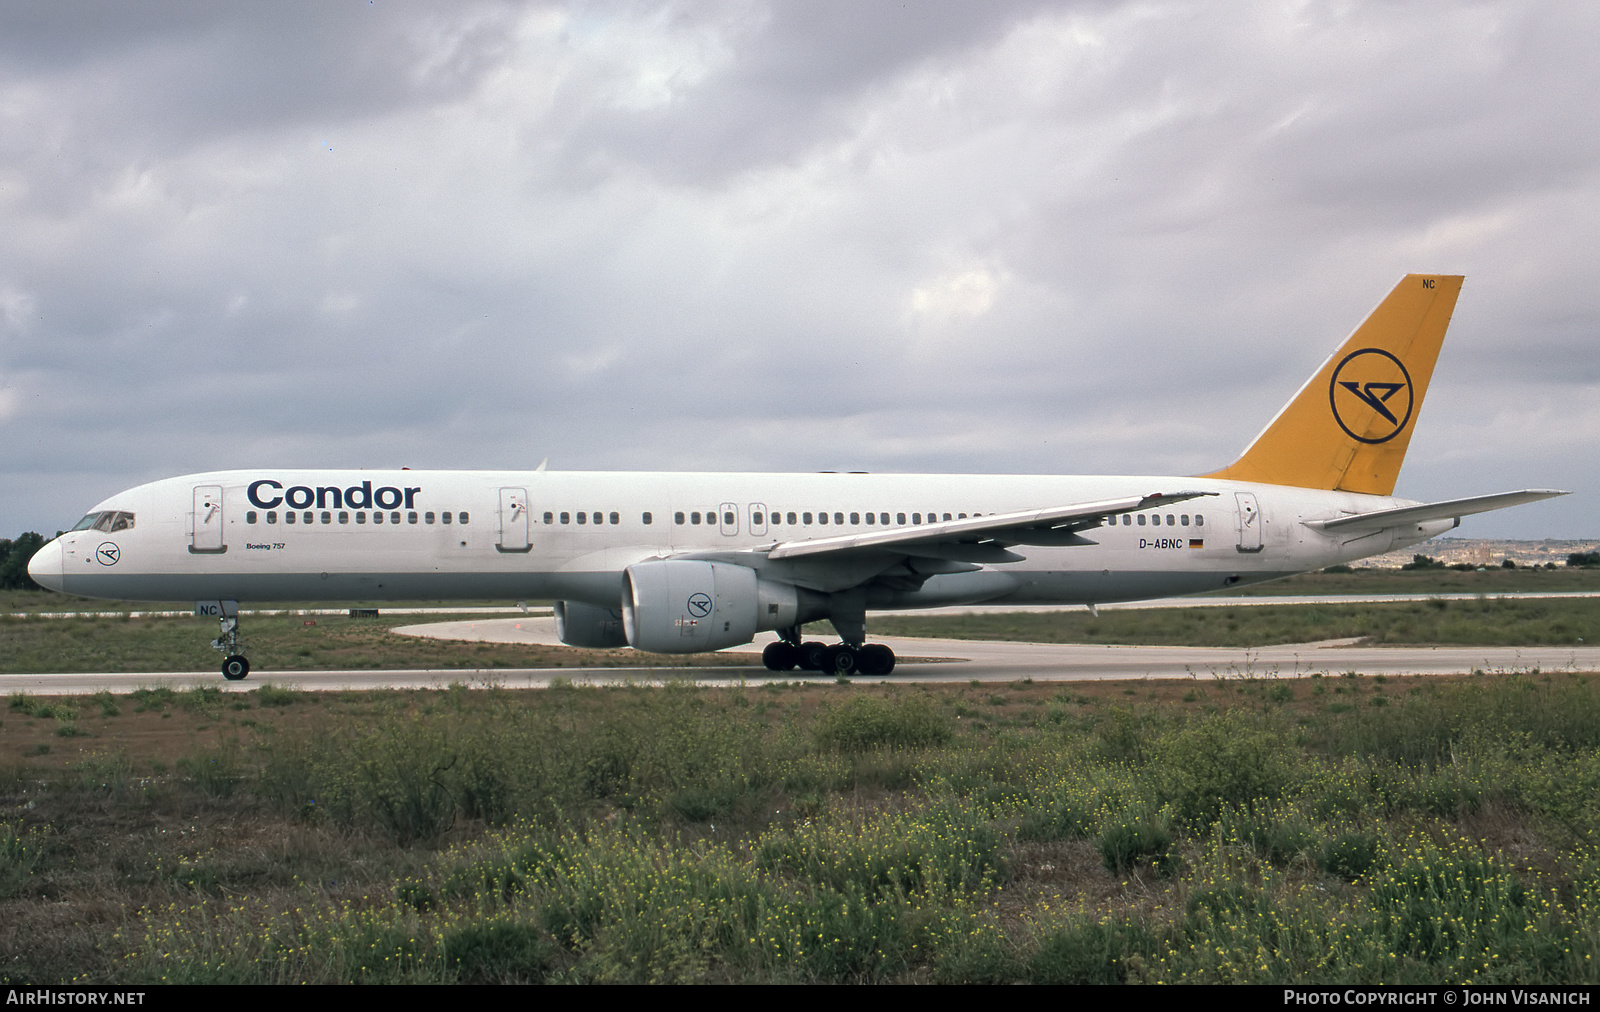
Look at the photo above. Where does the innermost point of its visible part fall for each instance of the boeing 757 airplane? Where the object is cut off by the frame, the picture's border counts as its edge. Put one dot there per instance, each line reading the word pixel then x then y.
pixel 680 563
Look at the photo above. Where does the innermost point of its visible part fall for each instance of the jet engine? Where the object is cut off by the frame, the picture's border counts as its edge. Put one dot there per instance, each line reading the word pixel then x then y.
pixel 584 625
pixel 684 606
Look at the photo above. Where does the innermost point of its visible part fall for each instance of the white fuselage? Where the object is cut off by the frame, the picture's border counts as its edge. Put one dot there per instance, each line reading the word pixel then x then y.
pixel 383 535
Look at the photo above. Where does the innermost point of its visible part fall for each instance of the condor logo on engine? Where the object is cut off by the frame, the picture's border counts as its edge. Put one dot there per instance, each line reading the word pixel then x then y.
pixel 357 497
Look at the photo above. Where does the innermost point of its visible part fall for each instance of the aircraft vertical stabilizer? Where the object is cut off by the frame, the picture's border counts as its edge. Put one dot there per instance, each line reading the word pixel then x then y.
pixel 1349 426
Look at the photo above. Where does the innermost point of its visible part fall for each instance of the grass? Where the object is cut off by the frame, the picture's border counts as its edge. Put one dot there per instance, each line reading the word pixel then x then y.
pixel 1196 831
pixel 1493 580
pixel 1478 622
pixel 116 643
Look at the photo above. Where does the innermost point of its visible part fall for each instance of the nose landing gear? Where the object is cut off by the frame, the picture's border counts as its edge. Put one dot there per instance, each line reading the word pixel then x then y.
pixel 235 666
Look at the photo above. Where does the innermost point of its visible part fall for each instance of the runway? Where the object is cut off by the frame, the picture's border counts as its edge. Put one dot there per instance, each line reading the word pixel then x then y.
pixel 995 660
pixel 923 660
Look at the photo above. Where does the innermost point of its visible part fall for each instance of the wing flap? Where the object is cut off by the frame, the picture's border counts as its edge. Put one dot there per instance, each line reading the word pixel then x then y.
pixel 1450 509
pixel 1052 526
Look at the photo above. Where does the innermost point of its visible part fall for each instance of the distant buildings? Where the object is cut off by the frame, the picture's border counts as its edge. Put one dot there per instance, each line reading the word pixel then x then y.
pixel 1483 552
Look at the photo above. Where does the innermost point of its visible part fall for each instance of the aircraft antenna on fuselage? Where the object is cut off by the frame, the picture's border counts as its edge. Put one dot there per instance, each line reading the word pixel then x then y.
pixel 1349 426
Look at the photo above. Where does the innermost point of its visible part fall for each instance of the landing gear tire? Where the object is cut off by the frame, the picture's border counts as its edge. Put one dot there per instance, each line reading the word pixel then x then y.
pixel 813 656
pixel 875 659
pixel 780 656
pixel 235 668
pixel 841 660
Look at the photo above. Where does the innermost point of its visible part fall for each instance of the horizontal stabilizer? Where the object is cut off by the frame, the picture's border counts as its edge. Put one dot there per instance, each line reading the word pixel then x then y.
pixel 1006 528
pixel 1453 509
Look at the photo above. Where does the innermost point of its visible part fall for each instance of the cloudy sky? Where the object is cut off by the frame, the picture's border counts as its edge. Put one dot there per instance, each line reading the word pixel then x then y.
pixel 1092 237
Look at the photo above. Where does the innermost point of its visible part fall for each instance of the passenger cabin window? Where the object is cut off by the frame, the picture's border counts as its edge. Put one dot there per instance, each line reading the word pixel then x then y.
pixel 272 516
pixel 727 518
pixel 444 518
pixel 1199 521
pixel 677 518
pixel 249 518
pixel 427 517
pixel 289 517
pixel 807 518
pixel 646 519
pixel 361 516
pixel 789 519
pixel 377 517
pixel 583 518
pixel 549 518
pixel 694 517
pixel 566 518
pixel 461 517
pixel 855 518
pixel 616 518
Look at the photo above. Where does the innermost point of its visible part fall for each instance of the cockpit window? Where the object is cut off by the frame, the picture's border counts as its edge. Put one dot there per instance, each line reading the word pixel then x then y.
pixel 109 521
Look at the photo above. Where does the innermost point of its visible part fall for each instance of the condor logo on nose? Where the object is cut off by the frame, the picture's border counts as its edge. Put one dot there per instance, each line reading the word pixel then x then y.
pixel 356 497
pixel 1371 395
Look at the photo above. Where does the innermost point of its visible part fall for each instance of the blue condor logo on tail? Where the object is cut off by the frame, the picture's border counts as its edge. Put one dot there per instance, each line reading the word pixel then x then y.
pixel 1382 385
pixel 356 497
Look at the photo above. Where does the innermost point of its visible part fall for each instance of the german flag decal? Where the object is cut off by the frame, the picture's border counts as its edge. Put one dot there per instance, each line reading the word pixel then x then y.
pixel 1197 542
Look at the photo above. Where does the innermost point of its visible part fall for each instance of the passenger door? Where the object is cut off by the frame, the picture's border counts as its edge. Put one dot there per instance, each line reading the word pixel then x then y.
pixel 205 522
pixel 1249 522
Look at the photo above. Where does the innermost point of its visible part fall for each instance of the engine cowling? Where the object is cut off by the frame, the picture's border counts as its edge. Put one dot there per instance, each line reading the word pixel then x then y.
pixel 684 606
pixel 585 625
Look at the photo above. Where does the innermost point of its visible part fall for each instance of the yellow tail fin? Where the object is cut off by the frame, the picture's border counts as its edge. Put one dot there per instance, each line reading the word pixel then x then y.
pixel 1349 426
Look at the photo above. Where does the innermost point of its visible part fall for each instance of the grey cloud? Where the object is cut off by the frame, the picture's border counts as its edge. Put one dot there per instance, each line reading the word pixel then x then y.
pixel 1134 229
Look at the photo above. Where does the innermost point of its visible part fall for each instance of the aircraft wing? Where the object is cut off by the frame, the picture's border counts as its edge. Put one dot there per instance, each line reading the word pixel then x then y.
pixel 1450 509
pixel 984 537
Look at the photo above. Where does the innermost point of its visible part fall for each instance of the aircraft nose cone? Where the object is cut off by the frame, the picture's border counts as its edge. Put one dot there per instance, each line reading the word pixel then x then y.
pixel 45 566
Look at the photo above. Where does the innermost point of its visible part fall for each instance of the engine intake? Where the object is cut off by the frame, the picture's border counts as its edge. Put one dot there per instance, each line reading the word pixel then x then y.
pixel 684 606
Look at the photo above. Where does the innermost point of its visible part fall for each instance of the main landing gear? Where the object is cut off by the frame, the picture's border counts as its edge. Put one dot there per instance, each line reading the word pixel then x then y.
pixel 235 666
pixel 840 659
